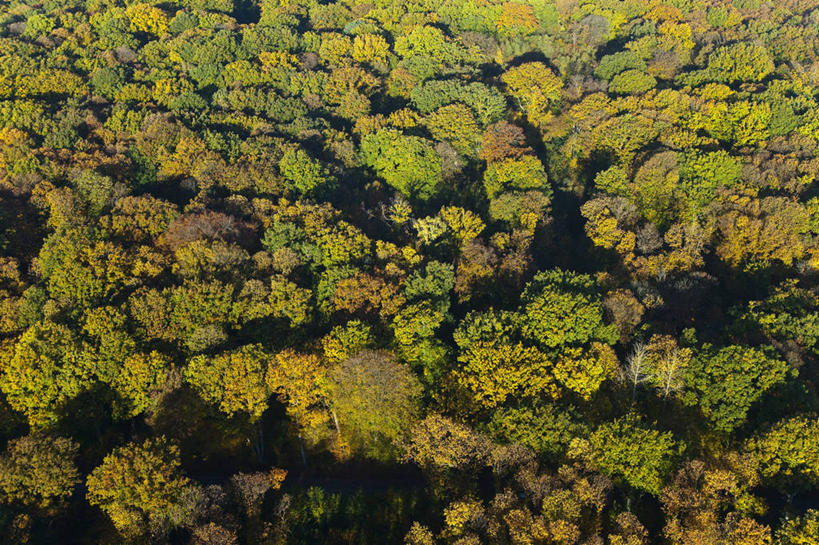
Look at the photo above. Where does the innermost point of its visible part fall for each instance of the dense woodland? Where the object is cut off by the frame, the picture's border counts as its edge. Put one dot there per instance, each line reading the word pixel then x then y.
pixel 421 272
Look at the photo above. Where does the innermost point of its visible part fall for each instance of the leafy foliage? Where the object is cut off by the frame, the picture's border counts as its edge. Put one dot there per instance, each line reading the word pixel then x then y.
pixel 351 263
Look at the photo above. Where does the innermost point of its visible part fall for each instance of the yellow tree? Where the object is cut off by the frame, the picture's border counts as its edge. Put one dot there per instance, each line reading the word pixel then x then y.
pixel 43 372
pixel 300 381
pixel 536 89
pixel 234 381
pixel 142 489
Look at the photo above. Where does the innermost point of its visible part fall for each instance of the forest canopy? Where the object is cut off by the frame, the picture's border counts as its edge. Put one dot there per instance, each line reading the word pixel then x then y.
pixel 428 272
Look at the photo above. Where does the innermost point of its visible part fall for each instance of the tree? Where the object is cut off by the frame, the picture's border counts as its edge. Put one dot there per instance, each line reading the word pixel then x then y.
pixel 631 452
pixel 454 123
pixel 711 503
pixel 419 535
pixel 300 381
pixel 521 174
pixel 741 61
pixel 38 470
pixel 80 271
pixel 754 233
pixel 630 531
pixel 407 163
pixel 503 140
pixel 464 224
pixel 625 310
pixel 632 82
pixel 564 308
pixel 494 367
pixel 373 397
pixel 140 381
pixel 703 174
pixel 305 175
pixel 110 344
pixel 438 442
pixel 252 487
pixel 547 429
pixel 517 19
pixel 345 341
pixel 624 135
pixel 536 89
pixel 636 370
pixel 146 18
pixel 790 313
pixel 616 63
pixel 667 363
pixel 142 490
pixel 788 453
pixel 583 370
pixel 198 313
pixel 487 104
pixel 741 123
pixel 526 209
pixel 416 322
pixel 426 50
pixel 44 372
pixel 725 382
pixel 141 218
pixel 370 48
pixel 434 283
pixel 801 530
pixel 493 371
pixel 214 534
pixel 367 293
pixel 235 380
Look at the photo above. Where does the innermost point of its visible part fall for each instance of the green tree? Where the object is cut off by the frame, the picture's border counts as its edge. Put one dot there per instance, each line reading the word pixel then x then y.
pixel 515 174
pixel 536 89
pixel 564 308
pixel 141 380
pixel 743 61
pixel 547 429
pixel 703 174
pixel 79 271
pixel 455 124
pixel 373 397
pixel 494 366
pixel 408 163
pixel 304 175
pixel 630 452
pixel 790 313
pixel 725 382
pixel 615 63
pixel 632 82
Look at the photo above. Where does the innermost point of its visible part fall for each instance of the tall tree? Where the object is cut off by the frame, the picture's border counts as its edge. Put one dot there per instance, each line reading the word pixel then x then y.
pixel 373 397
pixel 38 470
pixel 630 452
pixel 140 486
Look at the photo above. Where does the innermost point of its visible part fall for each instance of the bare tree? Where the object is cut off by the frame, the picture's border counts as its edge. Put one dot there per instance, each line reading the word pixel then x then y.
pixel 636 370
pixel 667 361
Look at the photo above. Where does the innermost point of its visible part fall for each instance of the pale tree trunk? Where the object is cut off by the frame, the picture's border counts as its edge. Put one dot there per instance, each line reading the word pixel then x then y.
pixel 335 422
